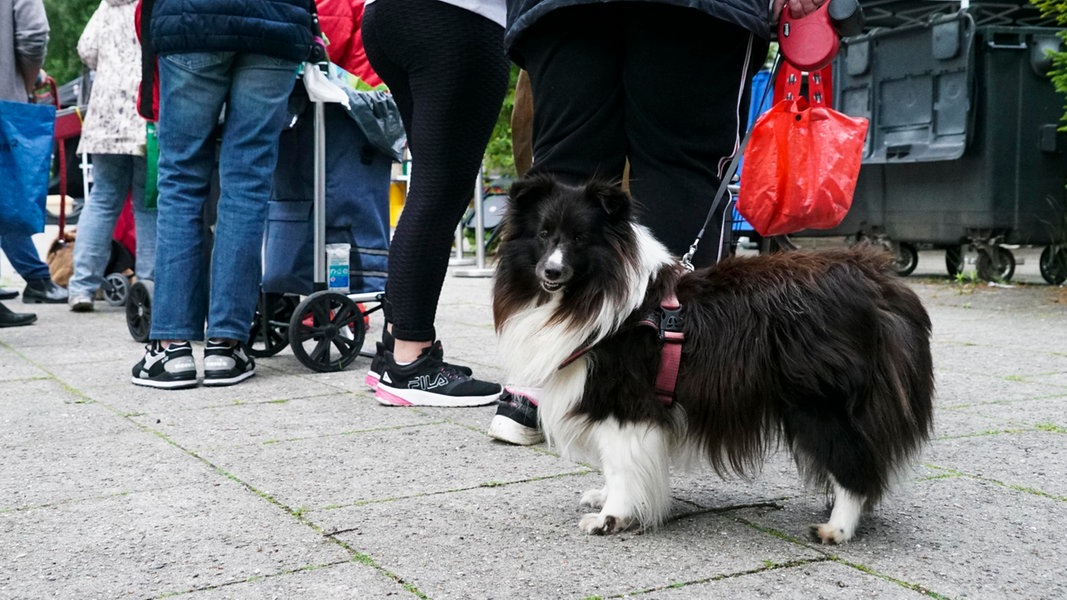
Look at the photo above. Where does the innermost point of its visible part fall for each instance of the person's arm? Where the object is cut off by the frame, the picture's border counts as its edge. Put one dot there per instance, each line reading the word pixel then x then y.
pixel 89 42
pixel 31 40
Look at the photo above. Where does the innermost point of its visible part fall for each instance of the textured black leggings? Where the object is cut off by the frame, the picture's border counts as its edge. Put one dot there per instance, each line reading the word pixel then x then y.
pixel 447 70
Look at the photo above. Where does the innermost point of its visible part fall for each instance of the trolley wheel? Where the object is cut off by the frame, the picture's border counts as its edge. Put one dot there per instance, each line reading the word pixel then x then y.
pixel 996 264
pixel 270 326
pixel 139 310
pixel 1053 264
pixel 326 331
pixel 954 260
pixel 905 258
pixel 116 289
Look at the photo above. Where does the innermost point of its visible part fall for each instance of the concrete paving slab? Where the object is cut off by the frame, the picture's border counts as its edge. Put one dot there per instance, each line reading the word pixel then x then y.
pixel 381 464
pixel 275 421
pixel 350 579
pixel 522 541
pixel 1032 460
pixel 956 537
pixel 819 580
pixel 154 543
pixel 42 411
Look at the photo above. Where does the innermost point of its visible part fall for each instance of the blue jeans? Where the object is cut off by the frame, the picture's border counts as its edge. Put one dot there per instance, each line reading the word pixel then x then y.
pixel 193 89
pixel 114 177
pixel 23 255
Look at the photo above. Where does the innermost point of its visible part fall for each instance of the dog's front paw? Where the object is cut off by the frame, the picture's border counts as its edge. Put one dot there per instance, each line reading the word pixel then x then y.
pixel 594 498
pixel 830 534
pixel 601 524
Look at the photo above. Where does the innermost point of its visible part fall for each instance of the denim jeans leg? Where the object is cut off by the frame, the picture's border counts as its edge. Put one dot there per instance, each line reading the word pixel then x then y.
pixel 255 116
pixel 96 224
pixel 144 221
pixel 193 87
pixel 23 255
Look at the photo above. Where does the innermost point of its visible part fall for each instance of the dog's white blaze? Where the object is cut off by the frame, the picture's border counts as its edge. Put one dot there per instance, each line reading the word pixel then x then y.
pixel 555 260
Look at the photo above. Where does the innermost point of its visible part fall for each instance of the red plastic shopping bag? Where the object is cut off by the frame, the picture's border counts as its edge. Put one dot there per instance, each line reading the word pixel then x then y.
pixel 800 168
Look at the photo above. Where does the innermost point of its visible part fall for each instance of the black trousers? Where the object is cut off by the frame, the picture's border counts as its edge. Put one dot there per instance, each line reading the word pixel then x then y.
pixel 448 73
pixel 664 87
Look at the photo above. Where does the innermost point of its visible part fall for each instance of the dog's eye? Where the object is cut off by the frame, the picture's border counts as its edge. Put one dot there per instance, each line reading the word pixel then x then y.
pixel 578 239
pixel 542 235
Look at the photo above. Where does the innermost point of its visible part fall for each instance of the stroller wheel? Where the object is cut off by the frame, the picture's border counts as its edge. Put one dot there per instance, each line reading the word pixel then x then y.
pixel 139 310
pixel 326 331
pixel 270 327
pixel 116 289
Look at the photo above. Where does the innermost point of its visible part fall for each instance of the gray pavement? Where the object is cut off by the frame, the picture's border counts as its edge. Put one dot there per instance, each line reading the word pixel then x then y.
pixel 297 484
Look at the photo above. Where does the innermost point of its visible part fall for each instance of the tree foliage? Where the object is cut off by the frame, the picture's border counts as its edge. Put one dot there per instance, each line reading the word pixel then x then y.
pixel 1057 9
pixel 66 19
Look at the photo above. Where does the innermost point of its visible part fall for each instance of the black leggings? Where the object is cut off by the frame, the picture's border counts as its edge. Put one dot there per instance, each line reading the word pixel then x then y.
pixel 447 70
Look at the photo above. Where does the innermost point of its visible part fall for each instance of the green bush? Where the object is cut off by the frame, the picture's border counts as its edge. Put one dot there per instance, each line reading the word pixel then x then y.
pixel 66 19
pixel 1057 9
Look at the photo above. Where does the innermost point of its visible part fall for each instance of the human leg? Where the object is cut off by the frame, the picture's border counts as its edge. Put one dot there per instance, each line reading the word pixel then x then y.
pixel 683 129
pixel 449 96
pixel 573 57
pixel 255 116
pixel 112 174
pixel 23 255
pixel 193 88
pixel 144 221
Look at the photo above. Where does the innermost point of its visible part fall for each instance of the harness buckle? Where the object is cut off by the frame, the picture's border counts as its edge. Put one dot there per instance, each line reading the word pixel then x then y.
pixel 670 322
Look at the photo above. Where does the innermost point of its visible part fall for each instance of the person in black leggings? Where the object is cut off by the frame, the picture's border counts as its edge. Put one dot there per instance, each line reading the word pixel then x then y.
pixel 446 68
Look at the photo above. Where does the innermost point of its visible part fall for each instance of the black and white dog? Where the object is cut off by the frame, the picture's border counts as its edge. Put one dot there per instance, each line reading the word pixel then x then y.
pixel 826 352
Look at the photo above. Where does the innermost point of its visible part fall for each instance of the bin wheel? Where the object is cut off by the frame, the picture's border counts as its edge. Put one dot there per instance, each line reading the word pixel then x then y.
pixel 954 260
pixel 996 264
pixel 139 310
pixel 326 331
pixel 116 289
pixel 1053 264
pixel 269 334
pixel 905 258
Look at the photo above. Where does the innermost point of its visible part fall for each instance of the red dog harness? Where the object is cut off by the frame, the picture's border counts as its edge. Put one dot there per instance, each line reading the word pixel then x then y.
pixel 667 321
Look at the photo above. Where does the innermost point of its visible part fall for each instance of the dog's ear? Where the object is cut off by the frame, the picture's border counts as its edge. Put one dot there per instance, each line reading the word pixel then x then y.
pixel 532 188
pixel 612 199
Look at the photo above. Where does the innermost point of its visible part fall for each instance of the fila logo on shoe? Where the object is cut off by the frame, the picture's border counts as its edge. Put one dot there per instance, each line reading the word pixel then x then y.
pixel 428 382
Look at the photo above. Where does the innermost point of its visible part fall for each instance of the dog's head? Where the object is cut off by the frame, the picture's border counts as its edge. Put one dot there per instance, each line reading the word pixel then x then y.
pixel 558 238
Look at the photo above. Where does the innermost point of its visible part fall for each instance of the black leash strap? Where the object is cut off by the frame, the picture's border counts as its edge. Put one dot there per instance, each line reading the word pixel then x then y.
pixel 724 184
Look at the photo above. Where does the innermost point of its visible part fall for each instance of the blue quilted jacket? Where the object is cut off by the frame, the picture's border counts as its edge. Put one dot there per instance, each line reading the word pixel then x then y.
pixel 752 15
pixel 280 28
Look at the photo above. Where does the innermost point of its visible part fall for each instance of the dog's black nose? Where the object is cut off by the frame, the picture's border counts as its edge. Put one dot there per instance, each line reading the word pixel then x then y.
pixel 553 274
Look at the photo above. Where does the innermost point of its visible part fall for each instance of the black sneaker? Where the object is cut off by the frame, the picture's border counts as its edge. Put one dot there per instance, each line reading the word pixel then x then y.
pixel 515 421
pixel 376 366
pixel 430 381
pixel 377 362
pixel 226 364
pixel 172 368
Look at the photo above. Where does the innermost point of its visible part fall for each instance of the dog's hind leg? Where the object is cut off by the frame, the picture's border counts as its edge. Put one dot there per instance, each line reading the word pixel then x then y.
pixel 844 518
pixel 637 478
pixel 830 450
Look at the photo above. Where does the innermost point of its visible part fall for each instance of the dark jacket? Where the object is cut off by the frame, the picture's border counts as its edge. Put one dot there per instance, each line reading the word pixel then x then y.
pixel 279 28
pixel 753 15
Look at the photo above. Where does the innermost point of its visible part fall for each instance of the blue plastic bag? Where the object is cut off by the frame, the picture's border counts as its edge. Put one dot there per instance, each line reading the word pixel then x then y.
pixel 26 132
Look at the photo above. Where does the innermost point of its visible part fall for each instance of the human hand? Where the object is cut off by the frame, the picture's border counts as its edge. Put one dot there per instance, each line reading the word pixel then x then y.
pixel 797 8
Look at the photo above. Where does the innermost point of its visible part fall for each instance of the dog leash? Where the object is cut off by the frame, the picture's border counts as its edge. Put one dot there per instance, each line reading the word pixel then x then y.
pixel 731 170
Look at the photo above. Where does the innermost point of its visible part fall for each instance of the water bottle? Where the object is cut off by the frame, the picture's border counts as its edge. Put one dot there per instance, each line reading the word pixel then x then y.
pixel 337 267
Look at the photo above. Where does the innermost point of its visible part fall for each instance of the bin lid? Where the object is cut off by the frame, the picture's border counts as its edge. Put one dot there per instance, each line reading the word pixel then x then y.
pixel 915 85
pixel 894 13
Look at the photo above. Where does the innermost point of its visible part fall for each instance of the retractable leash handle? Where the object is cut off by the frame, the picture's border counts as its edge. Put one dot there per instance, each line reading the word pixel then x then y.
pixel 810 43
